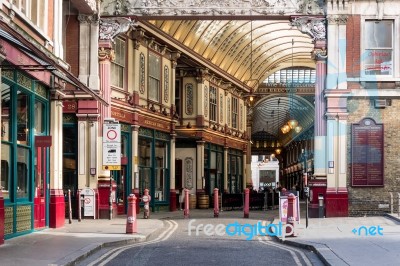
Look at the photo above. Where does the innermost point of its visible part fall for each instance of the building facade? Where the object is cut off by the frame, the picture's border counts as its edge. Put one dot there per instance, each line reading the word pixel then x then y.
pixel 186 85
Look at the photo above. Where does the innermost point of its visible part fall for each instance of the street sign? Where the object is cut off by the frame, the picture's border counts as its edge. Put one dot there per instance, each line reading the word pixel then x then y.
pixel 111 146
pixel 112 132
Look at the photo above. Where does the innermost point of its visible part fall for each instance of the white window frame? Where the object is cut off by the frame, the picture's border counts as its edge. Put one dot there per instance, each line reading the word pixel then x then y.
pixel 152 76
pixel 395 48
pixel 213 103
pixel 25 10
pixel 119 63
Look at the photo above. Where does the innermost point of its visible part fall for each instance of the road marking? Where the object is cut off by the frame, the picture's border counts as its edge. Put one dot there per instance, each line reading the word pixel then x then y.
pixel 111 254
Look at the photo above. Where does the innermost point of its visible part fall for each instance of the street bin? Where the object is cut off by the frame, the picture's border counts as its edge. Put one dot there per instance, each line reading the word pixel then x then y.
pixel 321 206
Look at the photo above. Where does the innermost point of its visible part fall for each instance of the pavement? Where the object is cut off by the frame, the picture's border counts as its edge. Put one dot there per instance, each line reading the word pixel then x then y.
pixel 331 239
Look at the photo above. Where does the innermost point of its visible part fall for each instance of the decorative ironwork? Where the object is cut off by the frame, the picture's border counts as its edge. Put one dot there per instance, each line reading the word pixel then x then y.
pixel 314 27
pixel 166 83
pixel 126 128
pixel 145 132
pixel 69 118
pixel 41 90
pixel 189 172
pixel 24 81
pixel 142 73
pixel 161 135
pixel 7 74
pixel 111 27
pixel 24 218
pixel 8 222
pixel 189 98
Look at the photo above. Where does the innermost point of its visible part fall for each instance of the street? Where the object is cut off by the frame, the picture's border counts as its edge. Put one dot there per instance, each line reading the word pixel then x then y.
pixel 191 242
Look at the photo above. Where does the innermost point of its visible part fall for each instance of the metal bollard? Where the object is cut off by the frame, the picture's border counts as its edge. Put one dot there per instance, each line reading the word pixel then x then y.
pixel 146 199
pixel 398 210
pixel 216 203
pixel 131 222
pixel 246 203
pixel 69 207
pixel 186 209
pixel 79 206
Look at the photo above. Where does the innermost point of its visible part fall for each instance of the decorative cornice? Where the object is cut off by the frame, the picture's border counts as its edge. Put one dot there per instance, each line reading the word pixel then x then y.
pixel 111 27
pixel 314 27
pixel 337 19
pixel 212 7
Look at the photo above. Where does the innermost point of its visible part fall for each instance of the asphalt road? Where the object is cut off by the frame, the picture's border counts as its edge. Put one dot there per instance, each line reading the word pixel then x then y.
pixel 192 242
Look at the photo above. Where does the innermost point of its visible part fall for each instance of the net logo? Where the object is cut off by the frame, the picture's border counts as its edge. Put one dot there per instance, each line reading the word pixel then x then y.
pixel 368 230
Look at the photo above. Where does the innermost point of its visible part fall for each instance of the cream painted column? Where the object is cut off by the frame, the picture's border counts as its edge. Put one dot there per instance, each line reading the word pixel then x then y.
pixel 333 54
pixel 342 46
pixel 199 165
pixel 84 48
pixel 342 152
pixel 94 159
pixel 57 28
pixel 172 163
pixel 94 81
pixel 226 169
pixel 83 150
pixel 331 151
pixel 135 159
pixel 56 149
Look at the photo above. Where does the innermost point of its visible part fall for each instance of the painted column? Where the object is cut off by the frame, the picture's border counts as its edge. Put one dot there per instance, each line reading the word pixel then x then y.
pixel 172 193
pixel 84 48
pixel 342 153
pixel 57 202
pixel 135 159
pixel 201 95
pixel 2 212
pixel 57 28
pixel 320 109
pixel 200 166
pixel 332 130
pixel 245 177
pixel 83 149
pixel 94 82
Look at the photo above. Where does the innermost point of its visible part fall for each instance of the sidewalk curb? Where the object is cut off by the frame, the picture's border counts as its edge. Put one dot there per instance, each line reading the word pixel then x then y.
pixel 85 252
pixel 392 217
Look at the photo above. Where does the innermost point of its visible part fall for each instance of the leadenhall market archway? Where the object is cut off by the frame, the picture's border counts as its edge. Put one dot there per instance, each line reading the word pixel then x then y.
pixel 256 65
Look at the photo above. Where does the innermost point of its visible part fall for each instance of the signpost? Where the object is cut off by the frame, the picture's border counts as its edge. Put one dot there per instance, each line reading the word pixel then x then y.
pixel 111 146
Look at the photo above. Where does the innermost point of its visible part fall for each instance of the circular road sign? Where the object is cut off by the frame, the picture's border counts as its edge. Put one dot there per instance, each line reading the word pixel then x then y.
pixel 112 134
pixel 145 198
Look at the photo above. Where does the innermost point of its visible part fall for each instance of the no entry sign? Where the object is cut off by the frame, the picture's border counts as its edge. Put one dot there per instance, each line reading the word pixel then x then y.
pixel 112 133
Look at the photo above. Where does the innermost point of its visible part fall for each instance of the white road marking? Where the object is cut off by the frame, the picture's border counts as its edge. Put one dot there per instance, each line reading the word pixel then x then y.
pixel 107 257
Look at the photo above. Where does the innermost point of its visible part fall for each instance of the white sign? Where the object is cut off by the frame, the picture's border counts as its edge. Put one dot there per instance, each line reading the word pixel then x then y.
pixel 111 133
pixel 88 202
pixel 111 154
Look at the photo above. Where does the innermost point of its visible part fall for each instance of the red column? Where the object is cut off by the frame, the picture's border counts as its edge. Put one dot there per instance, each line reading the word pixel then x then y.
pixel 57 208
pixel 186 209
pixel 246 203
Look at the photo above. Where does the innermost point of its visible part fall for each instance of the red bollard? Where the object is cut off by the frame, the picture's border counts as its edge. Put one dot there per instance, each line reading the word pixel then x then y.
pixel 216 203
pixel 186 209
pixel 246 202
pixel 291 215
pixel 131 222
pixel 146 199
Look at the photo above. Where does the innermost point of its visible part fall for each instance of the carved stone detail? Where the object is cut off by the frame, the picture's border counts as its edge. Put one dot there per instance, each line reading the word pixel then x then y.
pixel 314 27
pixel 111 27
pixel 211 7
pixel 337 19
pixel 106 54
pixel 319 54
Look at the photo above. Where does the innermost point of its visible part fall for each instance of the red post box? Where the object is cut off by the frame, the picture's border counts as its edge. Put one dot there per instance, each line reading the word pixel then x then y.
pixel 104 199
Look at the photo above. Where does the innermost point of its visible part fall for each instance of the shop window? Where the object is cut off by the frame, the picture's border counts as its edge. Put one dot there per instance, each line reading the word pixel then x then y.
pixel 23 121
pixel 154 77
pixel 378 47
pixel 5 171
pixel 118 65
pixel 39 118
pixel 161 170
pixel 5 112
pixel 213 104
pixel 70 175
pixel 22 172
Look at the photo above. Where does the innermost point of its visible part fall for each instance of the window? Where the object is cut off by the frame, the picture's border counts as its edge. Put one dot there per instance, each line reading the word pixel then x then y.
pixel 34 10
pixel 213 104
pixel 118 65
pixel 235 111
pixel 154 77
pixel 378 47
